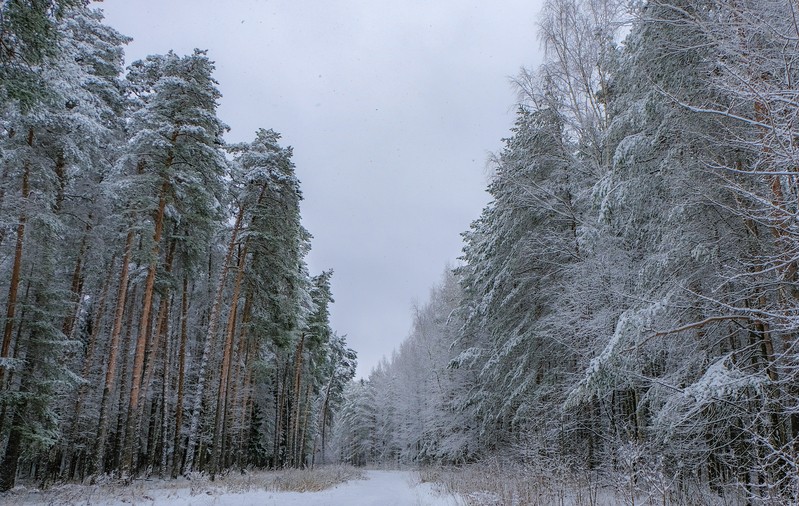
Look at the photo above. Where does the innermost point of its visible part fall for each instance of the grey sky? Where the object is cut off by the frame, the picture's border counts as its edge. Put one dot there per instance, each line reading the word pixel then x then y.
pixel 392 109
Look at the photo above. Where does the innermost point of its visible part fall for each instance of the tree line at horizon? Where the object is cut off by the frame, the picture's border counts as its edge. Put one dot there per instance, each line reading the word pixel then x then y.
pixel 627 304
pixel 158 316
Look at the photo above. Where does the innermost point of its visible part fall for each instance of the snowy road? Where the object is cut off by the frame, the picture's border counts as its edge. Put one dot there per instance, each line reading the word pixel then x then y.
pixel 380 488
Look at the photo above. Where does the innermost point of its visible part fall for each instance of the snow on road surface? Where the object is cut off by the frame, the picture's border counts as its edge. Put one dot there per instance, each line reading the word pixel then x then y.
pixel 380 488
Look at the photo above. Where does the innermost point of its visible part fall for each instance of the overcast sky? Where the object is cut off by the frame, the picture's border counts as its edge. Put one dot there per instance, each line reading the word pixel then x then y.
pixel 392 108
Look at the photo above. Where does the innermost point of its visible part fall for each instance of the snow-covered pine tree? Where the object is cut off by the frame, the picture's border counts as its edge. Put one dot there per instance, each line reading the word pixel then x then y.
pixel 92 55
pixel 175 148
pixel 355 431
pixel 335 372
pixel 517 276
pixel 673 232
pixel 414 411
pixel 70 136
pixel 270 278
pixel 29 31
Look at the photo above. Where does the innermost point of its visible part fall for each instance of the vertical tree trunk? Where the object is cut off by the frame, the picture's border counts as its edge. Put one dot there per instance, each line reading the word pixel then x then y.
pixel 16 268
pixel 162 324
pixel 76 288
pixel 281 415
pixel 295 418
pixel 14 355
pixel 131 446
pixel 8 466
pixel 248 402
pixel 184 314
pixel 213 322
pixel 3 178
pixel 154 345
pixel 165 384
pixel 14 448
pixel 89 359
pixel 110 372
pixel 235 415
pixel 124 381
pixel 61 176
pixel 325 409
pixel 245 396
pixel 224 376
pixel 304 427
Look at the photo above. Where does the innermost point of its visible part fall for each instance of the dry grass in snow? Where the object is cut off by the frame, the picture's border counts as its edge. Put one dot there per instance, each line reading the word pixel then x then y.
pixel 498 484
pixel 197 485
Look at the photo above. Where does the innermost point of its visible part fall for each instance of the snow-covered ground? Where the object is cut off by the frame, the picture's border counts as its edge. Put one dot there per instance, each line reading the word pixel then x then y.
pixel 379 488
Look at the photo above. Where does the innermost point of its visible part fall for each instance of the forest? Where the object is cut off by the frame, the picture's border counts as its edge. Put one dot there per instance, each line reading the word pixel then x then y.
pixel 158 314
pixel 626 306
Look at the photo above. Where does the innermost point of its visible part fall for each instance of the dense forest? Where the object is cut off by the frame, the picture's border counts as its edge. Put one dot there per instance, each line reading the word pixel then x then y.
pixel 158 314
pixel 627 303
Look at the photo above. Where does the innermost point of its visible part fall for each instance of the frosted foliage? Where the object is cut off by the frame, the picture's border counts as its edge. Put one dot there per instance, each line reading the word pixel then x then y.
pixel 411 409
pixel 721 381
pixel 607 370
pixel 155 290
pixel 623 314
pixel 627 299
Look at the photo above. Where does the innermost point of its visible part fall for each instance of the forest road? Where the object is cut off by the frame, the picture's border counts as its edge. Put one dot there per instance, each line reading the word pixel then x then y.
pixel 380 488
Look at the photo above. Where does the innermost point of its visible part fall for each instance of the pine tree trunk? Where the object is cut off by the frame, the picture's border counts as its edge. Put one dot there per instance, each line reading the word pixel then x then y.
pixel 248 403
pixel 242 456
pixel 16 269
pixel 325 409
pixel 76 288
pixel 281 413
pixel 8 466
pixel 89 359
pixel 295 419
pixel 14 355
pixel 213 322
pixel 154 347
pixel 3 179
pixel 224 376
pixel 61 176
pixel 235 415
pixel 131 447
pixel 162 324
pixel 165 384
pixel 13 451
pixel 304 427
pixel 184 314
pixel 233 412
pixel 124 377
pixel 110 372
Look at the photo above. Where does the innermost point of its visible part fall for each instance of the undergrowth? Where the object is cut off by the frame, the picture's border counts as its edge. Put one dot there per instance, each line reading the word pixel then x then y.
pixel 109 490
pixel 506 484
